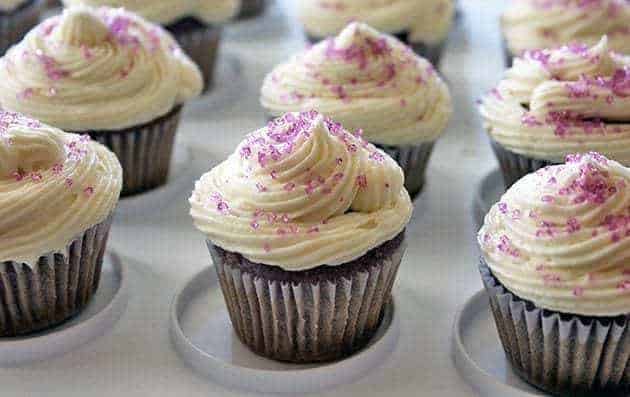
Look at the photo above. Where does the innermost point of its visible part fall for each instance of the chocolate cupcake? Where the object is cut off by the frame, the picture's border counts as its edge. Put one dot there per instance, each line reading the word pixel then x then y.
pixel 307 220
pixel 17 17
pixel 371 83
pixel 195 24
pixel 59 191
pixel 533 24
pixel 422 25
pixel 109 74
pixel 554 102
pixel 554 264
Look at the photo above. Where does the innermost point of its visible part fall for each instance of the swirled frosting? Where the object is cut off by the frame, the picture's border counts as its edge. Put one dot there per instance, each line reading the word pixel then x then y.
pixel 560 237
pixel 10 5
pixel 536 24
pixel 363 79
pixel 169 11
pixel 103 69
pixel 53 187
pixel 301 193
pixel 425 21
pixel 555 102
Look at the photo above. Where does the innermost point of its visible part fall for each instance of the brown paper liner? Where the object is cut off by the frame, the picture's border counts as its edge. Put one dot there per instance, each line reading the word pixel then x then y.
pixel 201 43
pixel 413 159
pixel 431 52
pixel 14 25
pixel 144 151
pixel 562 354
pixel 54 289
pixel 515 166
pixel 322 314
pixel 252 8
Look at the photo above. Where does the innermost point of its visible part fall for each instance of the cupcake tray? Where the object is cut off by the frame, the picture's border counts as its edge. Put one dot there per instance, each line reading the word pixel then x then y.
pixel 101 314
pixel 479 356
pixel 202 335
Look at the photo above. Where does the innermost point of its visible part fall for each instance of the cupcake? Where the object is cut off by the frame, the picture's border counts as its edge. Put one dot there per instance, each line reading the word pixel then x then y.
pixel 551 103
pixel 534 24
pixel 17 17
pixel 307 220
pixel 371 83
pixel 421 24
pixel 555 265
pixel 59 191
pixel 195 24
pixel 109 74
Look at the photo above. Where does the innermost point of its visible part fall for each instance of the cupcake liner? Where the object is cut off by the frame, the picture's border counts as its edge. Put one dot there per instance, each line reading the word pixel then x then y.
pixel 252 8
pixel 53 3
pixel 317 315
pixel 15 24
pixel 201 43
pixel 54 289
pixel 144 151
pixel 508 58
pixel 413 159
pixel 431 52
pixel 515 166
pixel 560 353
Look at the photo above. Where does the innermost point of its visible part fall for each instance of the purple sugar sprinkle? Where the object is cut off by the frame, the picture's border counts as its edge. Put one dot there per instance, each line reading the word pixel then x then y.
pixel 578 291
pixel 503 207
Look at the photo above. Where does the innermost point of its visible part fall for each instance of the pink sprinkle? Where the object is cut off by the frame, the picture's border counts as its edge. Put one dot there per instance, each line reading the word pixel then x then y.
pixel 88 191
pixel 57 169
pixel 18 176
pixel 289 186
pixel 313 229
pixel 624 285
pixel 69 182
pixel 36 177
pixel 255 225
pixel 260 187
pixel 362 181
pixel 223 207
pixel 267 247
pixel 547 199
pixel 578 291
pixel 339 161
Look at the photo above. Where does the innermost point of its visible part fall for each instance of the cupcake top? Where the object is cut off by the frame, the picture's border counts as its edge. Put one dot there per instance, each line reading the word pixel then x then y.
pixel 300 193
pixel 536 24
pixel 560 237
pixel 102 69
pixel 555 102
pixel 53 187
pixel 10 5
pixel 169 11
pixel 367 80
pixel 425 21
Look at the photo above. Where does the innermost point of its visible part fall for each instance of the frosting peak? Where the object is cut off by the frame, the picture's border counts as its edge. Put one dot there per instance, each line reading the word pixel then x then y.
pixel 301 193
pixel 560 237
pixel 53 186
pixel 80 27
pixel 364 79
pixel 555 102
pixel 96 69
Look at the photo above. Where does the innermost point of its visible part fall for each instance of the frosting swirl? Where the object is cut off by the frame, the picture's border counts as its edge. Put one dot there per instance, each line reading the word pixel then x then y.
pixel 560 237
pixel 367 80
pixel 425 21
pixel 301 193
pixel 10 5
pixel 53 187
pixel 103 69
pixel 555 102
pixel 535 24
pixel 168 11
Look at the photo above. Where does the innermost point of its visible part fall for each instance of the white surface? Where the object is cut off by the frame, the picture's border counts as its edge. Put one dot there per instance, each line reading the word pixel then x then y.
pixel 438 273
pixel 479 356
pixel 203 336
pixel 104 310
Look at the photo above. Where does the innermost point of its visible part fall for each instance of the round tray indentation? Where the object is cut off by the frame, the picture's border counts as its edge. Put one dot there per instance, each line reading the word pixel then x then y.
pixel 487 193
pixel 100 315
pixel 202 334
pixel 150 202
pixel 479 356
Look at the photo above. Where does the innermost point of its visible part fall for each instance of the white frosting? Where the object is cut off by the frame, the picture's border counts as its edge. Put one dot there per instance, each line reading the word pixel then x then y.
pixel 103 69
pixel 53 187
pixel 426 21
pixel 366 80
pixel 536 24
pixel 560 237
pixel 301 193
pixel 555 102
pixel 168 11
